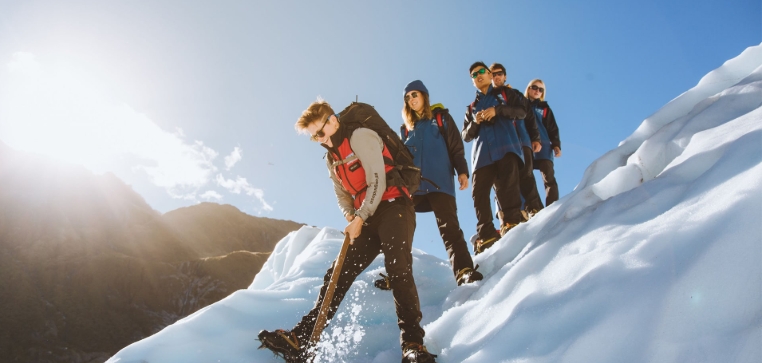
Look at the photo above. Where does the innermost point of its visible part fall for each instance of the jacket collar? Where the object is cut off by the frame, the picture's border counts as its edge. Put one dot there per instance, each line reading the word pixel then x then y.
pixel 537 102
pixel 479 92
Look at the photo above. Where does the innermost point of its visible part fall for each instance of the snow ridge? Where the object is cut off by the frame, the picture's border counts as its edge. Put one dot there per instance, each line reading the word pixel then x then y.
pixel 654 257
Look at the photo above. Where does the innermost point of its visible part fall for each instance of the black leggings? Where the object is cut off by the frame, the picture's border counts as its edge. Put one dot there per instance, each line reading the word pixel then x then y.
pixel 529 191
pixel 446 213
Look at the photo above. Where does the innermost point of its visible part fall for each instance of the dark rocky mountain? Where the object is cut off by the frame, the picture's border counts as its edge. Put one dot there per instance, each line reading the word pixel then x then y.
pixel 88 267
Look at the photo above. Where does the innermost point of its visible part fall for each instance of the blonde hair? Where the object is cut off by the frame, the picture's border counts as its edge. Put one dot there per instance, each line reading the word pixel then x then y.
pixel 545 89
pixel 410 116
pixel 317 111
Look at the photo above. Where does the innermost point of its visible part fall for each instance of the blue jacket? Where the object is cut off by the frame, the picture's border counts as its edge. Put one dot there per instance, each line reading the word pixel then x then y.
pixel 496 138
pixel 434 155
pixel 546 125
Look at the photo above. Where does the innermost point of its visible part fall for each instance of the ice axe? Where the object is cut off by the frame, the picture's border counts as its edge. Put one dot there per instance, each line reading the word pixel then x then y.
pixel 322 318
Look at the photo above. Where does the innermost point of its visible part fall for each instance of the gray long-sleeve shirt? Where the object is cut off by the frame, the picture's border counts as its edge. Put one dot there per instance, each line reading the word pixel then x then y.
pixel 368 147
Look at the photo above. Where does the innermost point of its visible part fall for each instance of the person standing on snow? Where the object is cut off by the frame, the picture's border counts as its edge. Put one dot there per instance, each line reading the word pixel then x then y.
pixel 433 138
pixel 496 156
pixel 549 138
pixel 528 132
pixel 381 219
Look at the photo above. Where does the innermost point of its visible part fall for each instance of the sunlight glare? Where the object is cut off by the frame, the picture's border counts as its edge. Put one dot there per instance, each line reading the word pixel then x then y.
pixel 66 112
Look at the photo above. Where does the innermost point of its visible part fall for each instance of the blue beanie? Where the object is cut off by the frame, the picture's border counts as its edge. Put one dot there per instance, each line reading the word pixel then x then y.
pixel 415 86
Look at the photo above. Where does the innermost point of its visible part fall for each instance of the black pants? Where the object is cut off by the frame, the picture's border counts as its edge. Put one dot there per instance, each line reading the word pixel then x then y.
pixel 549 178
pixel 528 184
pixel 504 177
pixel 389 231
pixel 446 213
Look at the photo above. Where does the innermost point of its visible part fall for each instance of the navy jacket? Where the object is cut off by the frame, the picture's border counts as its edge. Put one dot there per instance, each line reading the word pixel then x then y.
pixel 546 124
pixel 434 155
pixel 496 138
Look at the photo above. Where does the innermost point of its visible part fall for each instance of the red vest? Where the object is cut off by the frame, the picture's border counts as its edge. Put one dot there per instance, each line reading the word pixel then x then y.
pixel 350 172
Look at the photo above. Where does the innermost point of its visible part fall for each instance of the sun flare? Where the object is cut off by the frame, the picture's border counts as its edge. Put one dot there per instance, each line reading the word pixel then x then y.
pixel 68 112
pixel 59 112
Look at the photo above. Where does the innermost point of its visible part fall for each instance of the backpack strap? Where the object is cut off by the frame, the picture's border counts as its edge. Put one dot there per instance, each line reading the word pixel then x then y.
pixel 505 99
pixel 348 160
pixel 441 126
pixel 544 112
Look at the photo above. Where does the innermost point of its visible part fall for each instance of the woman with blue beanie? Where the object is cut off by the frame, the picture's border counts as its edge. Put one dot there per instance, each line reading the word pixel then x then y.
pixel 434 139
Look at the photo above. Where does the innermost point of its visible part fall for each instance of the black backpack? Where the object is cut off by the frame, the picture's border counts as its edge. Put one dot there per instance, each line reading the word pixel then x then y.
pixel 405 173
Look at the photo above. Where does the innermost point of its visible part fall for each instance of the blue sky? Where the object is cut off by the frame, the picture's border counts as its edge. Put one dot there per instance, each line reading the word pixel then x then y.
pixel 162 93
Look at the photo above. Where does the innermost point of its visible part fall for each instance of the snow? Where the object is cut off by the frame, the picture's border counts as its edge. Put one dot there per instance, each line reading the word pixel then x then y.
pixel 654 257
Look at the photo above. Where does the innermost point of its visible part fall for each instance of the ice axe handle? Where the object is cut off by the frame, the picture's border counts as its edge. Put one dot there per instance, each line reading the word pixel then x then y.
pixel 322 318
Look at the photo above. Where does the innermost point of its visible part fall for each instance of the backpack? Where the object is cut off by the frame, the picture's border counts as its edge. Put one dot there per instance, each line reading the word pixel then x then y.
pixel 405 173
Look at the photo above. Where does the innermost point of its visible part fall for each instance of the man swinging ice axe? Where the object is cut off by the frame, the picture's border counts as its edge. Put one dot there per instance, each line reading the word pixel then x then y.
pixel 381 218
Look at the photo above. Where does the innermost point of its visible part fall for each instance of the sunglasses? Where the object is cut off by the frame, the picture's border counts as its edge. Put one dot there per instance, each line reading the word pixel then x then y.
pixel 536 88
pixel 498 74
pixel 477 73
pixel 410 96
pixel 320 133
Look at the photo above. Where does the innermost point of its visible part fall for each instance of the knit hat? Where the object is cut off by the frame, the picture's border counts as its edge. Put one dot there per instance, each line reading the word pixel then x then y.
pixel 415 86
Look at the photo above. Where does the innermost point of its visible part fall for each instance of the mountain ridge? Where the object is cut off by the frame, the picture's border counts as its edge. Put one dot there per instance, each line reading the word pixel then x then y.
pixel 87 266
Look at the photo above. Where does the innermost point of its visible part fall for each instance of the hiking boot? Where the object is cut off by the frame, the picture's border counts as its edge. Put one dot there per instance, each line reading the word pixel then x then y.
pixel 481 246
pixel 505 228
pixel 284 344
pixel 468 275
pixel 383 283
pixel 525 216
pixel 416 353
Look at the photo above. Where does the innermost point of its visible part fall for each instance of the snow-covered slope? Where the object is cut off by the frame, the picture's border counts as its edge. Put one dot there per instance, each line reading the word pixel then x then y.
pixel 655 257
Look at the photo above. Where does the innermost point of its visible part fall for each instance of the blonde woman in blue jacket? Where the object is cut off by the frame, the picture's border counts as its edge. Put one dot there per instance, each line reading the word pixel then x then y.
pixel 549 138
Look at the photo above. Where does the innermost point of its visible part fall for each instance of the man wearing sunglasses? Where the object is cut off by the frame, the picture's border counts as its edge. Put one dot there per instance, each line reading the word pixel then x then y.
pixel 381 219
pixel 528 132
pixel 496 155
